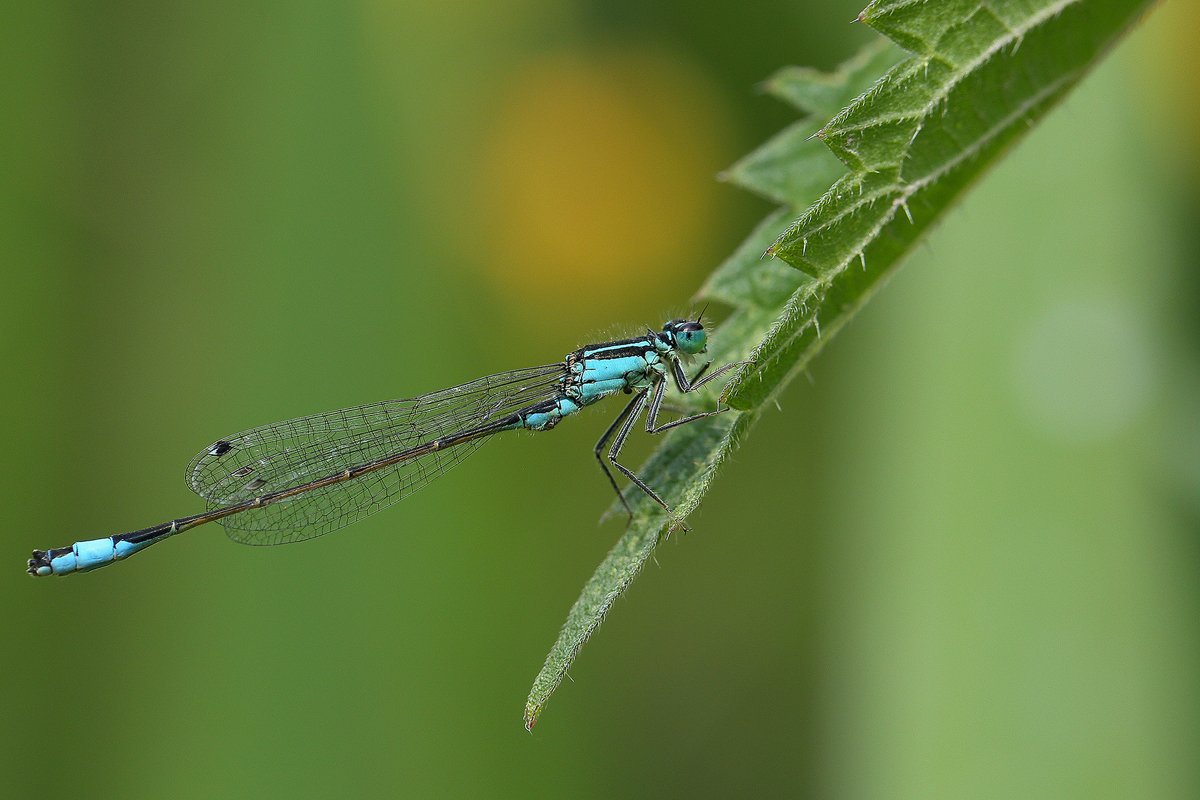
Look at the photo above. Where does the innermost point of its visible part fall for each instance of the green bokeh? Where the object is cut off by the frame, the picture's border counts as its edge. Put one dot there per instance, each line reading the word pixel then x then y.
pixel 919 579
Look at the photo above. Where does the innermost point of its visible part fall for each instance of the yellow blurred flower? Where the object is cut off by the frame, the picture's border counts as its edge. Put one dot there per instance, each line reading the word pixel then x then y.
pixel 601 169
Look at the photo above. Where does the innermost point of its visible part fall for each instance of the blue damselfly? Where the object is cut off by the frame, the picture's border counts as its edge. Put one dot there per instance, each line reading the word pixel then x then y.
pixel 302 478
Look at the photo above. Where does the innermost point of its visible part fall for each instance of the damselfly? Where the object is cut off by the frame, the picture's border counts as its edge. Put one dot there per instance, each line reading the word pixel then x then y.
pixel 302 478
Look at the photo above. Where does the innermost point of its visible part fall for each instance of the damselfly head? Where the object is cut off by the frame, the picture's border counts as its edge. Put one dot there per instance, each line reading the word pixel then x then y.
pixel 687 335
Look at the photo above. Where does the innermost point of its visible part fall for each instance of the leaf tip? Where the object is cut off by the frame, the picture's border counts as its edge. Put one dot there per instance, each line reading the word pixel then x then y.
pixel 533 710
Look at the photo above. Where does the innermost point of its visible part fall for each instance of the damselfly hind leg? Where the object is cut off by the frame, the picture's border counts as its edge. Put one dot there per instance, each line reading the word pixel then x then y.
pixel 633 410
pixel 599 448
pixel 623 424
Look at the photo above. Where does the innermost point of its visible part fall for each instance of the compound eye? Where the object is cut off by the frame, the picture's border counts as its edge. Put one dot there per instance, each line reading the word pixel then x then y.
pixel 690 338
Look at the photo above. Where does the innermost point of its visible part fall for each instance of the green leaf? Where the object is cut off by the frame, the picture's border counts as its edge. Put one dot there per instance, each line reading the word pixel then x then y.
pixel 824 95
pixel 905 148
pixel 682 466
pixel 794 167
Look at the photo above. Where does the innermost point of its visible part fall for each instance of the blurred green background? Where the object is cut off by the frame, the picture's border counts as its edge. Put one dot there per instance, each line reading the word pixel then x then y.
pixel 961 561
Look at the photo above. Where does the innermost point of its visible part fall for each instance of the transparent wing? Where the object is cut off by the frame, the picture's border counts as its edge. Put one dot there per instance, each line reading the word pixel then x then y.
pixel 288 454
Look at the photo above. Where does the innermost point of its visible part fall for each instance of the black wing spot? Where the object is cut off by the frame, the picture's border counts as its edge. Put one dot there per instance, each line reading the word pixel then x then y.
pixel 257 483
pixel 242 472
pixel 220 448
